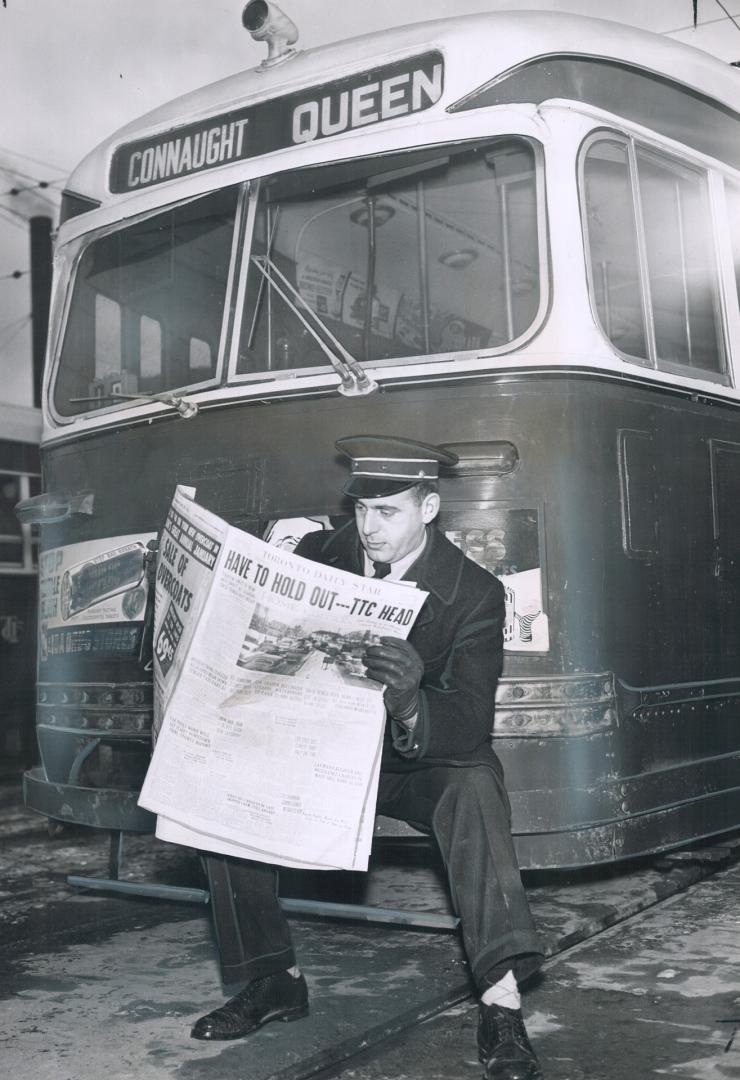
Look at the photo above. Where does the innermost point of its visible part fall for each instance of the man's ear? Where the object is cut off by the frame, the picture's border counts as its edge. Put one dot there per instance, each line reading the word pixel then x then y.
pixel 430 507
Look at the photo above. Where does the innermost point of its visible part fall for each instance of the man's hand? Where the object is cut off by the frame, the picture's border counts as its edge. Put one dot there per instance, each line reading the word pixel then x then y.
pixel 397 664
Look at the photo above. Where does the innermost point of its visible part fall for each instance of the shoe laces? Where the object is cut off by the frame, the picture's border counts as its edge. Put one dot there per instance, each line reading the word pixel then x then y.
pixel 499 1025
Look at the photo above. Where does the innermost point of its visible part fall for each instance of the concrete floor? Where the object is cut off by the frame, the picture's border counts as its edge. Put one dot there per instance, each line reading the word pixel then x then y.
pixel 655 996
pixel 96 986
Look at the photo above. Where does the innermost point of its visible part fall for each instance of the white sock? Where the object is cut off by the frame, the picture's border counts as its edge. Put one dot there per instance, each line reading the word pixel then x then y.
pixel 295 971
pixel 505 993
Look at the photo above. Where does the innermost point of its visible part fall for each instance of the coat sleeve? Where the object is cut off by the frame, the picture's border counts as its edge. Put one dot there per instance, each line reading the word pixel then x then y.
pixel 310 545
pixel 456 705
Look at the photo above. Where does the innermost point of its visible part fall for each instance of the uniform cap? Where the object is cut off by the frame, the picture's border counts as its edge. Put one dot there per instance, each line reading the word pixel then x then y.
pixel 384 465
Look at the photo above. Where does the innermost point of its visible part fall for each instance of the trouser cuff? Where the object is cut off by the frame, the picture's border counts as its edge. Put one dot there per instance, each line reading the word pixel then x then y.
pixel 259 967
pixel 519 951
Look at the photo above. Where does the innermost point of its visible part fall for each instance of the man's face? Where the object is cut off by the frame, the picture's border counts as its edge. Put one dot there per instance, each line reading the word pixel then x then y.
pixel 392 526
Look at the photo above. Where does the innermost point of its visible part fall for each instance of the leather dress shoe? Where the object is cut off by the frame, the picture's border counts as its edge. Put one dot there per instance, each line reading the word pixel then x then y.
pixel 503 1045
pixel 274 997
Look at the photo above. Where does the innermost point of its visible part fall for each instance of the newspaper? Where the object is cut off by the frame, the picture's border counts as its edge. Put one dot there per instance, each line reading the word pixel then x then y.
pixel 268 732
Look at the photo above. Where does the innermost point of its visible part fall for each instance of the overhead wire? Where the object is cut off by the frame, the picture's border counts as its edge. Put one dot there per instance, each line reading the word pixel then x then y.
pixel 39 187
pixel 8 214
pixel 39 197
pixel 13 176
pixel 12 217
pixel 11 323
pixel 13 211
pixel 705 22
pixel 21 324
pixel 46 208
pixel 12 171
pixel 730 17
pixel 36 161
pixel 17 188
pixel 50 203
pixel 42 185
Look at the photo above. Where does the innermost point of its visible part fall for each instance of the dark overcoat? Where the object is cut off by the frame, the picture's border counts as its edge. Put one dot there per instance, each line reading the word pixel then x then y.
pixel 459 637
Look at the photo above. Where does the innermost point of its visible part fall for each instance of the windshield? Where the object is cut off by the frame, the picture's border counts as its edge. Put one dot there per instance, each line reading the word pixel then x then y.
pixel 432 257
pixel 147 306
pixel 419 253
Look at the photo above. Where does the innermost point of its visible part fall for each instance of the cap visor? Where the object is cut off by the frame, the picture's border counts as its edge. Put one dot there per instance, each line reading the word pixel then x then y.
pixel 372 487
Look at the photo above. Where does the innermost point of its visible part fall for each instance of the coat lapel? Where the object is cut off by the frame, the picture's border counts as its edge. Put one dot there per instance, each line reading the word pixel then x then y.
pixel 437 570
pixel 342 549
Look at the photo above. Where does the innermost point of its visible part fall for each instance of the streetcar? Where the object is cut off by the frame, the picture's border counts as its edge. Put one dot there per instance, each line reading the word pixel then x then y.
pixel 516 235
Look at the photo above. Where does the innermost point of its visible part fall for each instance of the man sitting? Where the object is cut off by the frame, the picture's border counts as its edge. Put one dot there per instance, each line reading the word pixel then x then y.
pixel 438 771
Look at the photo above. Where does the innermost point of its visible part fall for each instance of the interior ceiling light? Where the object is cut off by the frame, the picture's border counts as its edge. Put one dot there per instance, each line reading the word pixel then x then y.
pixel 383 213
pixel 459 260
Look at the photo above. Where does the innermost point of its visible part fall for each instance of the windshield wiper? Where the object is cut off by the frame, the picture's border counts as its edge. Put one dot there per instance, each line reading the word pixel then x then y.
pixel 353 380
pixel 186 409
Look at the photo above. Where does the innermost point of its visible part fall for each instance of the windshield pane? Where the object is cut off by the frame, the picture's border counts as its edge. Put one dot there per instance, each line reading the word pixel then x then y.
pixel 434 257
pixel 147 306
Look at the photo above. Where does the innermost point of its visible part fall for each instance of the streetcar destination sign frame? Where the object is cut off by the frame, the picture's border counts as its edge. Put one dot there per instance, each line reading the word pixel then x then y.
pixel 318 112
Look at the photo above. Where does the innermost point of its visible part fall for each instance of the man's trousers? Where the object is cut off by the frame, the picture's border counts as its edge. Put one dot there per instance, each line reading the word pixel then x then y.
pixel 467 810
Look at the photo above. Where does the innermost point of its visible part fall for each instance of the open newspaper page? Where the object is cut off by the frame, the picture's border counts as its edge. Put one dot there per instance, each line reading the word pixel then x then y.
pixel 270 739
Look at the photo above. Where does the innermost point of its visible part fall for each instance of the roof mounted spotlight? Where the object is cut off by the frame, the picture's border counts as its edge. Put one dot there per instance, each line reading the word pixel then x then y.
pixel 266 22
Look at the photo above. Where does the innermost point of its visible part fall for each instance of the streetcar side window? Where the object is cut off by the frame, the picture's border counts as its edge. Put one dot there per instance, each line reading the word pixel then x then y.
pixel 108 333
pixel 651 257
pixel 733 209
pixel 147 306
pixel 407 258
pixel 201 355
pixel 614 259
pixel 11 537
pixel 150 348
pixel 681 265
pixel 18 543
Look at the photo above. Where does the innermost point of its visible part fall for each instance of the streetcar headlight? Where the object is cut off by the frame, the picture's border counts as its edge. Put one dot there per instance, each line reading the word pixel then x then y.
pixel 266 22
pixel 53 506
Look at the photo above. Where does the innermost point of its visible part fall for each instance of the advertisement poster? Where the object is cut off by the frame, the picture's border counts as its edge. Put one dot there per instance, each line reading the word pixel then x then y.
pixel 92 597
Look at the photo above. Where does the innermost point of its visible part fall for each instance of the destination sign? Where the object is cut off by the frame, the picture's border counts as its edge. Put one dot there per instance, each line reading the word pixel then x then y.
pixel 370 97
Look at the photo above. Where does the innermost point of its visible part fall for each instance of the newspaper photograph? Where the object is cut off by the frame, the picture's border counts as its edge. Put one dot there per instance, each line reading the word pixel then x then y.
pixel 269 731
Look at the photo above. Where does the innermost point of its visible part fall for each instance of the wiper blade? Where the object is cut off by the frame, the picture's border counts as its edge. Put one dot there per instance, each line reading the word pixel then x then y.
pixel 353 379
pixel 186 409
